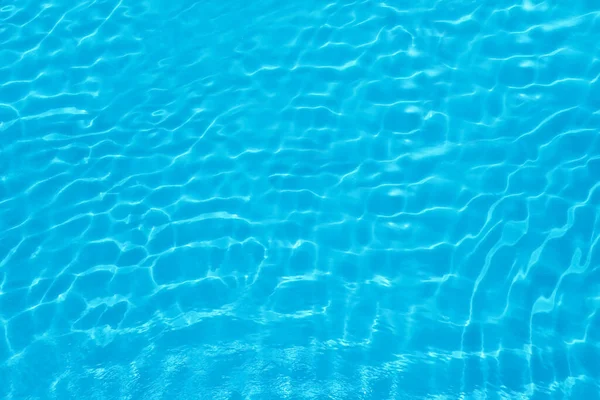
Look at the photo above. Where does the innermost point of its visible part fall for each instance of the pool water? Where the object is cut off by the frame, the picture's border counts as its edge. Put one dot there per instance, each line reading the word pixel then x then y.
pixel 320 199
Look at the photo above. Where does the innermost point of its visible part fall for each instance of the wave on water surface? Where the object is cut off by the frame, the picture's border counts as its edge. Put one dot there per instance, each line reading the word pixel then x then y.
pixel 318 199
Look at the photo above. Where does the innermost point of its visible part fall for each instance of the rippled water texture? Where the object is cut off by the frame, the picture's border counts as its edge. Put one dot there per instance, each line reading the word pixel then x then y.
pixel 299 199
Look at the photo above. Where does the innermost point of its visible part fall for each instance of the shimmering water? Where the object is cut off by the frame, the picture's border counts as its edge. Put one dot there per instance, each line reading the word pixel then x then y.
pixel 299 199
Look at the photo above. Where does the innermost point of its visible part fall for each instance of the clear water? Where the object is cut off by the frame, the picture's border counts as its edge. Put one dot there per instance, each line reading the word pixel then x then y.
pixel 299 199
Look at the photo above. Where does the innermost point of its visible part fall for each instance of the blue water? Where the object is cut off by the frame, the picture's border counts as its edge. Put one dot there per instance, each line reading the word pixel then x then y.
pixel 299 199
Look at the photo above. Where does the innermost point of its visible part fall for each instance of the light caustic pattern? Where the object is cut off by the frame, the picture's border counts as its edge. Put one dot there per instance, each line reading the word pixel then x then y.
pixel 299 199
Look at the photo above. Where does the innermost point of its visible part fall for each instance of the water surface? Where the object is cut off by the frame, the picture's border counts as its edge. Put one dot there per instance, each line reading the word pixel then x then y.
pixel 299 199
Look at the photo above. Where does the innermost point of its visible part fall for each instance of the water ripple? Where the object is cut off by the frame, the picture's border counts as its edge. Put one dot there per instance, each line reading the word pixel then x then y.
pixel 349 199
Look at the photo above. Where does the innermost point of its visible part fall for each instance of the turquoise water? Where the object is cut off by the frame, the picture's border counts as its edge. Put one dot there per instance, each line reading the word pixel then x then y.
pixel 299 199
